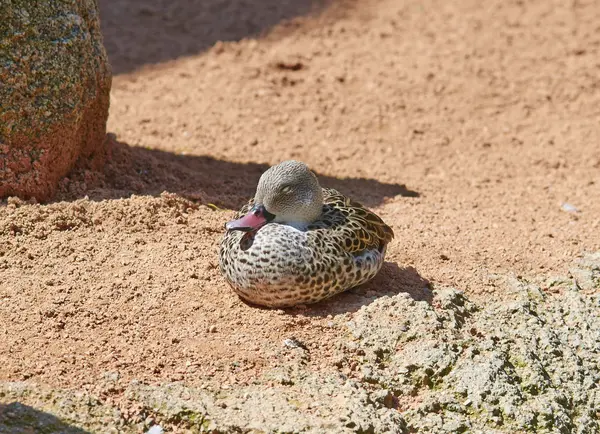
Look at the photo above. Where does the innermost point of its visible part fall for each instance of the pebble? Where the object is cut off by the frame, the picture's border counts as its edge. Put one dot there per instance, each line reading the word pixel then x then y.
pixel 565 206
pixel 293 343
pixel 111 376
pixel 156 429
pixel 212 329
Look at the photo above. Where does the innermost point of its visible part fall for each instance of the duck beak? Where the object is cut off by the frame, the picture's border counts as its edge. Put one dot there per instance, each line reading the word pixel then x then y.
pixel 256 218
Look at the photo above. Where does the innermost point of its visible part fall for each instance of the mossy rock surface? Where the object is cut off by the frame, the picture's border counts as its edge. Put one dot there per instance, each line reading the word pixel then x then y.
pixel 55 82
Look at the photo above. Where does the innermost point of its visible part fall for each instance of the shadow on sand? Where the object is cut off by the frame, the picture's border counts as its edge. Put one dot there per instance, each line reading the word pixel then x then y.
pixel 137 33
pixel 135 170
pixel 17 418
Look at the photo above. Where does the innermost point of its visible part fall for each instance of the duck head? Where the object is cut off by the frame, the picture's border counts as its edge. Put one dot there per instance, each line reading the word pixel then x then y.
pixel 288 193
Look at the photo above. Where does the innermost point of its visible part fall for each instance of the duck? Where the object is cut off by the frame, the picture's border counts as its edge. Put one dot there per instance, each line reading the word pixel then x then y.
pixel 297 243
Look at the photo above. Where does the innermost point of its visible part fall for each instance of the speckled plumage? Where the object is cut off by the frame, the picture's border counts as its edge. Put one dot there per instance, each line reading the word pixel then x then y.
pixel 281 266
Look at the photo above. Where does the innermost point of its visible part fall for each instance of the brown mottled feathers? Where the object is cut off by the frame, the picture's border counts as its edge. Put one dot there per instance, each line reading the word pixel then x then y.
pixel 280 265
pixel 318 244
pixel 351 225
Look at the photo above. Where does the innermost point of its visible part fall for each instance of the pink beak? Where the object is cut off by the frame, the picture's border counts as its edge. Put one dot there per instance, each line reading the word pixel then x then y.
pixel 256 218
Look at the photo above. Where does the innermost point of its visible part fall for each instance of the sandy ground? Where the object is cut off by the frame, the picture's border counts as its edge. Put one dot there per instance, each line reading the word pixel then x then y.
pixel 465 125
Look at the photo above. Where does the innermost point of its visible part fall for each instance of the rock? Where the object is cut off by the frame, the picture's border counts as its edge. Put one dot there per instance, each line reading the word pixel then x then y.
pixel 293 343
pixel 111 376
pixel 565 206
pixel 279 408
pixel 501 367
pixel 54 93
pixel 586 272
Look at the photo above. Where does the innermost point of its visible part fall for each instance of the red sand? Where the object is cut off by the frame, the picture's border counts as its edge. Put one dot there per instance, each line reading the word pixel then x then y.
pixel 464 125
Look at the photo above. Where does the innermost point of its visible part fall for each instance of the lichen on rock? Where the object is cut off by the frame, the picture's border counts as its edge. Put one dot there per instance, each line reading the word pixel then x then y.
pixel 54 93
pixel 526 365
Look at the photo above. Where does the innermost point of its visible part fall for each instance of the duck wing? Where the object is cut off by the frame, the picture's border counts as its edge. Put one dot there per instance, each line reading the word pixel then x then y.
pixel 354 227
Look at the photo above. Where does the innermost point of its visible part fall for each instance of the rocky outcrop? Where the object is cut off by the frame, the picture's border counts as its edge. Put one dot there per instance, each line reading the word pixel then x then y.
pixel 54 93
